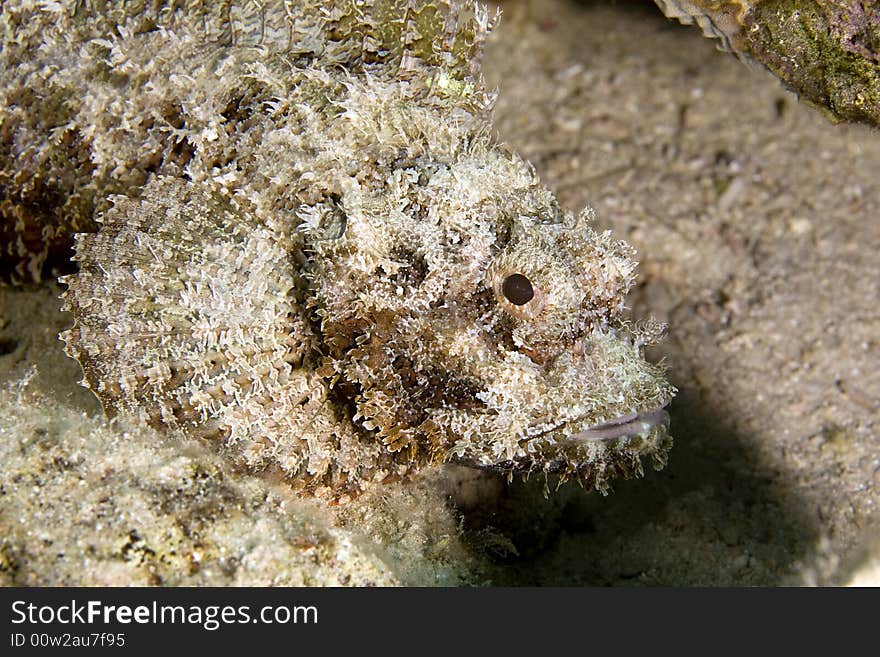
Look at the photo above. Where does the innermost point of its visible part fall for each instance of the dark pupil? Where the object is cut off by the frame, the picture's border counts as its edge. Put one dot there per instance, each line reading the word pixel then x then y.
pixel 517 289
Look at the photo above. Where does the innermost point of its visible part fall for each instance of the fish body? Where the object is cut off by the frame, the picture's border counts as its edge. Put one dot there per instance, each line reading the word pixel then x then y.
pixel 297 236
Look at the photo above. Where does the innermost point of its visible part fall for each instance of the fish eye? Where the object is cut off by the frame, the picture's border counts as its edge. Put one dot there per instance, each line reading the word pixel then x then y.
pixel 517 289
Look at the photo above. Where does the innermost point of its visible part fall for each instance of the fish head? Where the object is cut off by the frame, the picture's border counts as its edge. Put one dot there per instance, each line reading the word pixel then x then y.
pixel 489 330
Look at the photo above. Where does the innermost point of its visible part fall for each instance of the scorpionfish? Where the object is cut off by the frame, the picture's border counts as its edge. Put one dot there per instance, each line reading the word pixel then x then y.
pixel 297 235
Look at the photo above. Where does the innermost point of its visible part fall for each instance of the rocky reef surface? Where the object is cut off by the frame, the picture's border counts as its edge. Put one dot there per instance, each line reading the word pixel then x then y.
pixel 828 51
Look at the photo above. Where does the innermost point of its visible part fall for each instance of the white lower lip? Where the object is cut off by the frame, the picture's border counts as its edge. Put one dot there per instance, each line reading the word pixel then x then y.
pixel 626 425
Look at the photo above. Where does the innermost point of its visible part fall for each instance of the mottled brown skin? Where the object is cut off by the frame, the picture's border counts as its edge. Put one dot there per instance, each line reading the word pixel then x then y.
pixel 306 254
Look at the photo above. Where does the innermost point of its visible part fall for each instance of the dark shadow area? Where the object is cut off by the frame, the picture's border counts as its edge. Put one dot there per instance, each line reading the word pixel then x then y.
pixel 30 321
pixel 536 12
pixel 713 517
pixel 7 345
pixel 635 9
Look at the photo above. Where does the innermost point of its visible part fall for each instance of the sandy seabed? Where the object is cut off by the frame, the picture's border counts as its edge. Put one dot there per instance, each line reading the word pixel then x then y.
pixel 757 225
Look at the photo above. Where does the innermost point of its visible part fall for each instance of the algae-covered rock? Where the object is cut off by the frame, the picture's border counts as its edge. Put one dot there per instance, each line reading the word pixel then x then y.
pixel 828 51
pixel 313 251
pixel 85 502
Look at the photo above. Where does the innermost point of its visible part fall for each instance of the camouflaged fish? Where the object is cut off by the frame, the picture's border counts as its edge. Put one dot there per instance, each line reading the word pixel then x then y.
pixel 311 248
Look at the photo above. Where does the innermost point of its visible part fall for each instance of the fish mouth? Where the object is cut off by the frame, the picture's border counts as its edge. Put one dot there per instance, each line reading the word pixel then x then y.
pixel 631 424
pixel 637 423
